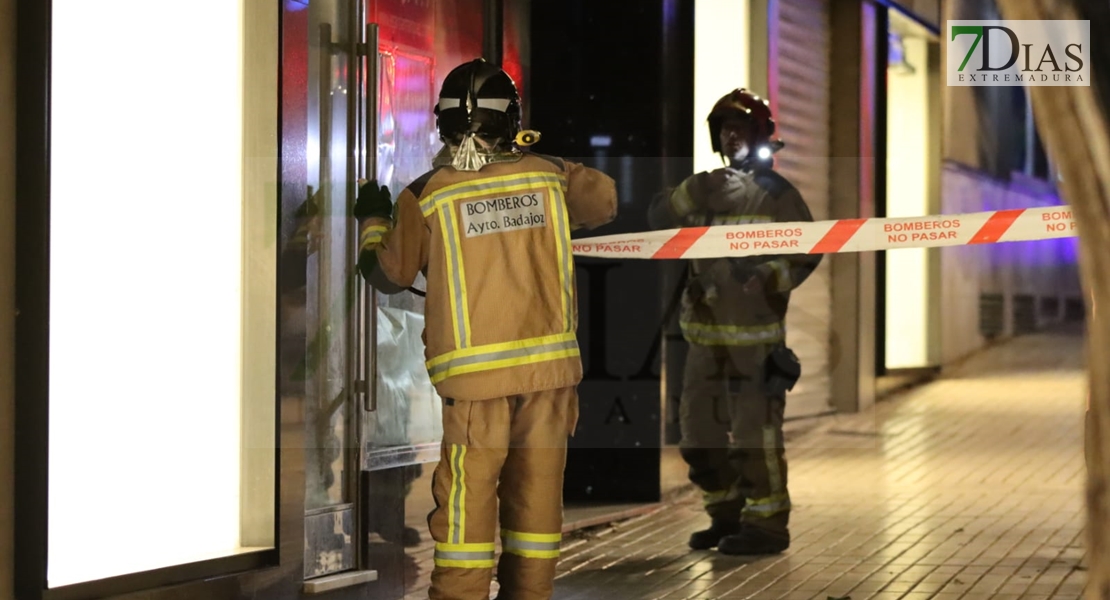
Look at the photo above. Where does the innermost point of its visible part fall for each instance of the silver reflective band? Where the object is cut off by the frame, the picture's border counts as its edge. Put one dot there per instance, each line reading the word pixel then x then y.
pixel 494 104
pixel 467 556
pixel 463 361
pixel 512 544
pixel 768 506
pixel 445 103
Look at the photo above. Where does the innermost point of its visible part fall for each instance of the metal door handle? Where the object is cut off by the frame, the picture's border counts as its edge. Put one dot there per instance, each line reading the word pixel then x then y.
pixel 369 52
pixel 373 77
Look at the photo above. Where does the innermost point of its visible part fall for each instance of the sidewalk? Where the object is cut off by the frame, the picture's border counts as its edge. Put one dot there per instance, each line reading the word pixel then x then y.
pixel 968 487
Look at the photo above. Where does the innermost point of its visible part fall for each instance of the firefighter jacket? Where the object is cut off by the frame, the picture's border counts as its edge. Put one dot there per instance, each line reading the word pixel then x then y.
pixel 501 312
pixel 716 308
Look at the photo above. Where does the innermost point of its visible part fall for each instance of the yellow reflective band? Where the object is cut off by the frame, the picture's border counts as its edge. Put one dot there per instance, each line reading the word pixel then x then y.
pixel 708 498
pixel 709 327
pixel 457 272
pixel 741 219
pixel 452 247
pixel 526 553
pixel 543 538
pixel 562 242
pixel 765 507
pixel 491 185
pixel 782 274
pixel 371 235
pixel 465 564
pixel 471 547
pixel 462 493
pixel 732 335
pixel 498 356
pixel 681 202
pixel 501 364
pixel 771 459
pixel 501 347
pixel 456 503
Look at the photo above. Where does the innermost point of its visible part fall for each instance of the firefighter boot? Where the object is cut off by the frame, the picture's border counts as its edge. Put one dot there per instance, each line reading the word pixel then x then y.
pixel 709 538
pixel 752 540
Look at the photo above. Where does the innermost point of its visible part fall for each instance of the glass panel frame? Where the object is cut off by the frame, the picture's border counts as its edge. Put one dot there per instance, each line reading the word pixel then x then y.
pixel 256 451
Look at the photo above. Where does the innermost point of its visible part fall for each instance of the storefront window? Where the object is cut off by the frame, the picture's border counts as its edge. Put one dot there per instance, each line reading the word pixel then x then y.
pixel 162 336
pixel 909 285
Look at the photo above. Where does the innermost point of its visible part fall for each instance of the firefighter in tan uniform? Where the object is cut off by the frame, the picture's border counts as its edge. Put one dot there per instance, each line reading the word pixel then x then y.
pixel 490 227
pixel 733 315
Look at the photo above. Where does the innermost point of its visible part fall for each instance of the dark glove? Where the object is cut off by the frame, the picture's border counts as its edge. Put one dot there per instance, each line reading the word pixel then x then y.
pixel 373 201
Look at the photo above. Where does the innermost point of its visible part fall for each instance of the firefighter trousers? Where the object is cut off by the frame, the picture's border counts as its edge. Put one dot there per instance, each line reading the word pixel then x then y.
pixel 508 451
pixel 732 436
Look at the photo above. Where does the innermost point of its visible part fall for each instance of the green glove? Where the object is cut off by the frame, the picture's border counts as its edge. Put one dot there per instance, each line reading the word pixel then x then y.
pixel 373 201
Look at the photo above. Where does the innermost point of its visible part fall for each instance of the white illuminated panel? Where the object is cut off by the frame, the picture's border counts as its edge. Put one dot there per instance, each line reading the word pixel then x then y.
pixel 907 274
pixel 721 41
pixel 146 299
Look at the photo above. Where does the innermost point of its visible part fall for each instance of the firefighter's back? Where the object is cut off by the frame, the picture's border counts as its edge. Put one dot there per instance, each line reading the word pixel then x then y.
pixel 501 306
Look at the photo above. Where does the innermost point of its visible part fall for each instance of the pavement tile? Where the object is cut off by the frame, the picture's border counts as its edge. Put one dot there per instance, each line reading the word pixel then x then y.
pixel 966 488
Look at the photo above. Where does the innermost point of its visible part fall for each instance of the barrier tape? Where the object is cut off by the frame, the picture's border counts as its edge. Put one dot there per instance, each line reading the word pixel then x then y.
pixel 831 237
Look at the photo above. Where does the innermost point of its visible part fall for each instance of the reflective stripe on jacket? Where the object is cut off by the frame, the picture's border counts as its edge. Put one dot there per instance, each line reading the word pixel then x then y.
pixel 501 309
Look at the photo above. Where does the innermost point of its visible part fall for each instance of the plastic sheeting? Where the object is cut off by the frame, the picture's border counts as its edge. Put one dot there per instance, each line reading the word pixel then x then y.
pixel 409 411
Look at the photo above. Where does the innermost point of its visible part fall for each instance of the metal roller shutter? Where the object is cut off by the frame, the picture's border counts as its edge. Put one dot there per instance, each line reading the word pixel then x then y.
pixel 800 95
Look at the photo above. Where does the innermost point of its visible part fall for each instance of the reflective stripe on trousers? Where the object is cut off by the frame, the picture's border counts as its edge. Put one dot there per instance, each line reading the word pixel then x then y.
pixel 501 464
pixel 455 552
pixel 766 507
pixel 465 556
pixel 456 515
pixel 531 545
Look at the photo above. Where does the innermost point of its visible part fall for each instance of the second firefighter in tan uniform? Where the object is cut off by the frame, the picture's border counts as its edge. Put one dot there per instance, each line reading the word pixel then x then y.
pixel 490 227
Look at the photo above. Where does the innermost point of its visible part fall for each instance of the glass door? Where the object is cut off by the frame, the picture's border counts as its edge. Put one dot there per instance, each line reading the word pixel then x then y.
pixel 331 370
pixel 402 430
pixel 372 416
pixel 418 42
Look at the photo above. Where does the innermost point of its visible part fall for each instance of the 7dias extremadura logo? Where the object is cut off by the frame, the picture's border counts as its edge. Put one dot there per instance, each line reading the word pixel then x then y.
pixel 1003 53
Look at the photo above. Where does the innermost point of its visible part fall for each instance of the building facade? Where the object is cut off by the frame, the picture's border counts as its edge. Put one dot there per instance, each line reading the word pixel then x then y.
pixel 271 416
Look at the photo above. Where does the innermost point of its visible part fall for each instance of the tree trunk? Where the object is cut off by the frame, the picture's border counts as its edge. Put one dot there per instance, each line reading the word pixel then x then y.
pixel 1073 124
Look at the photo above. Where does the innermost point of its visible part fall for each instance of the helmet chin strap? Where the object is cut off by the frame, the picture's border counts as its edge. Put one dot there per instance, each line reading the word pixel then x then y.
pixel 467 157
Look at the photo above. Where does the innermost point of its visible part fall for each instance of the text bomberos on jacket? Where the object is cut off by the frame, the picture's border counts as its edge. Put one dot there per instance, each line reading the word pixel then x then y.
pixel 504 213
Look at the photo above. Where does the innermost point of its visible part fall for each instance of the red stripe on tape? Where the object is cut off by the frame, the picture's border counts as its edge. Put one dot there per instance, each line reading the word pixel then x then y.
pixel 841 232
pixel 996 226
pixel 680 243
